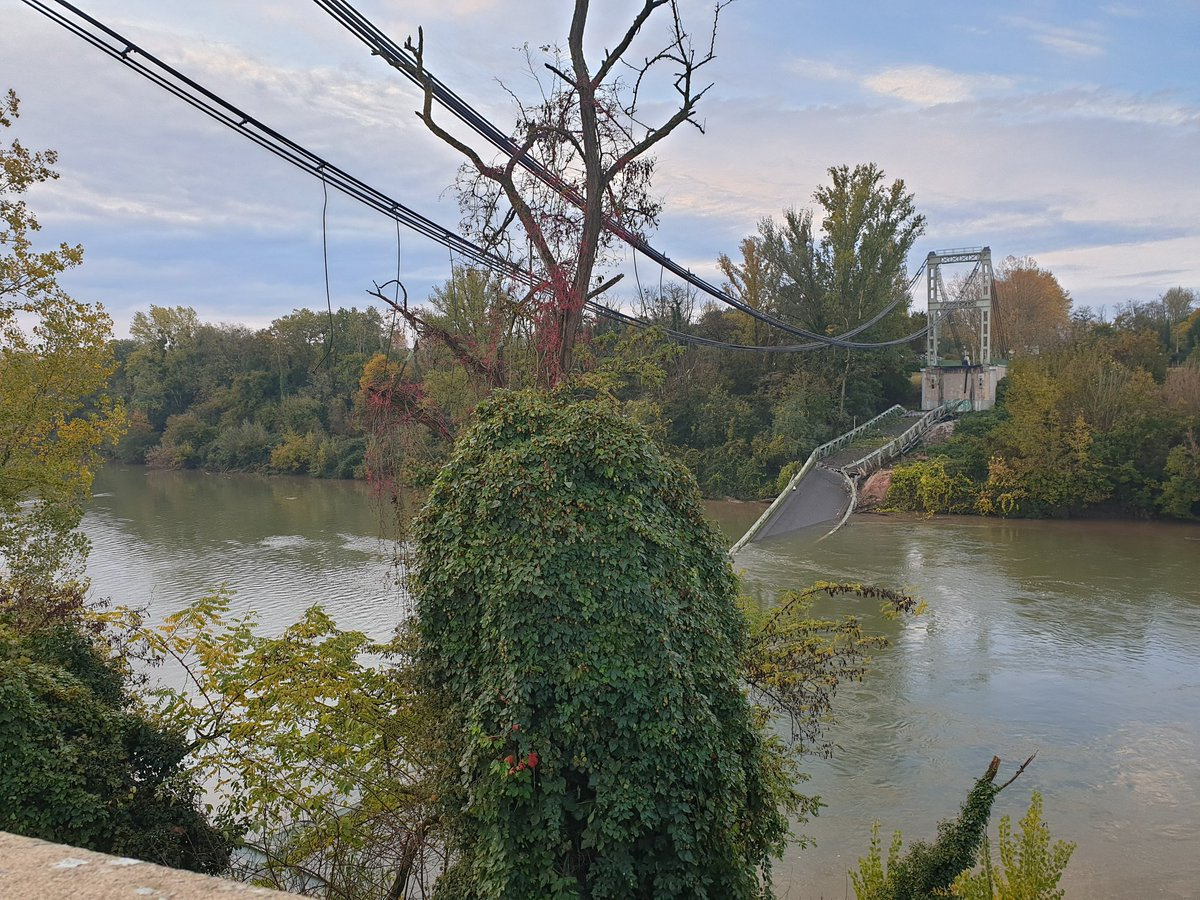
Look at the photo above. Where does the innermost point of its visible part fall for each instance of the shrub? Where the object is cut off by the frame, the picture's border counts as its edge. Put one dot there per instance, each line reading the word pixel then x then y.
pixel 244 446
pixel 294 455
pixel 1031 867
pixel 82 767
pixel 579 630
pixel 926 486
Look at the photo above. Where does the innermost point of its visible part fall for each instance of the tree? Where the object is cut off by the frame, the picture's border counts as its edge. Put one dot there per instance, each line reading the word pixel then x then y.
pixel 1181 492
pixel 1032 309
pixel 588 139
pixel 1187 339
pixel 852 273
pixel 1043 462
pixel 83 765
pixel 316 738
pixel 54 364
pixel 1177 304
pixel 755 281
pixel 597 735
pixel 670 305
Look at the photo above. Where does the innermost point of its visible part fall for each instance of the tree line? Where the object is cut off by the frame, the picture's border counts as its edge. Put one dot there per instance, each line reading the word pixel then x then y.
pixel 1097 415
pixel 1103 420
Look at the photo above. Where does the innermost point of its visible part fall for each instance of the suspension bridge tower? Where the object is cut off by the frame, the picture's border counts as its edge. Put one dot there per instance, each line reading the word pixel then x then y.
pixel 967 315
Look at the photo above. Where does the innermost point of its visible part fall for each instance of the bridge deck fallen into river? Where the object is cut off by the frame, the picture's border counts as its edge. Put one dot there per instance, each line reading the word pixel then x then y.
pixel 824 490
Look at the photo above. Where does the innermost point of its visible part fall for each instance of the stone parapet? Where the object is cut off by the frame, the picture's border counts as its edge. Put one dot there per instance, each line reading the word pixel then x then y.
pixel 39 870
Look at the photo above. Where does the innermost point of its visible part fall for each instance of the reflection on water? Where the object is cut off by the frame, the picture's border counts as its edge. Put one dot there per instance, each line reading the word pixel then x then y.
pixel 161 539
pixel 1078 640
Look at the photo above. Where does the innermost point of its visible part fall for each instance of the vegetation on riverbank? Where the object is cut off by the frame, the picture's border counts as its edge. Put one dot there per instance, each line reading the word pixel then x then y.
pixel 81 759
pixel 1098 425
pixel 581 708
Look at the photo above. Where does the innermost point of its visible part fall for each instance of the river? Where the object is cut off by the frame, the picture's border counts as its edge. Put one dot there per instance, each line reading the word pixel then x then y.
pixel 1080 640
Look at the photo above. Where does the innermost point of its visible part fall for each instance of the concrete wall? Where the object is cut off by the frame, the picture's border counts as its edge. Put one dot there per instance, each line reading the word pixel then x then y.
pixel 38 870
pixel 974 383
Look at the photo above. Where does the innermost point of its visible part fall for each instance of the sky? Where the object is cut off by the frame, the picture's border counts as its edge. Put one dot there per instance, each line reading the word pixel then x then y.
pixel 1063 131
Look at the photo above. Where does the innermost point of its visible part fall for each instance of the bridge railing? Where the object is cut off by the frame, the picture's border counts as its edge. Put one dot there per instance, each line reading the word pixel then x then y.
pixel 906 441
pixel 826 449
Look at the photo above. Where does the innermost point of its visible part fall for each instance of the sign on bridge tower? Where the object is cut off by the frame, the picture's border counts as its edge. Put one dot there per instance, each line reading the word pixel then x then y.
pixel 969 309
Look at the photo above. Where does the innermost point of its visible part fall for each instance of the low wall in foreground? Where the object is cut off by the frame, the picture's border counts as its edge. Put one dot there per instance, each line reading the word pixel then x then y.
pixel 38 870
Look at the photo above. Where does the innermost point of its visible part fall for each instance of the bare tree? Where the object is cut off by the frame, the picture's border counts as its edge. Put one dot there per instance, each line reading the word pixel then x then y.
pixel 580 166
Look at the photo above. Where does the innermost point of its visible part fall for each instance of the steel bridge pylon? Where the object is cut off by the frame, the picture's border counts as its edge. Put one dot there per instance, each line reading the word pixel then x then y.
pixel 941 383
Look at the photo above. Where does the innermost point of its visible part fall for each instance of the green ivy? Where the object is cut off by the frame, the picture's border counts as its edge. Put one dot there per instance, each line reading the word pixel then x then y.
pixel 580 633
pixel 929 870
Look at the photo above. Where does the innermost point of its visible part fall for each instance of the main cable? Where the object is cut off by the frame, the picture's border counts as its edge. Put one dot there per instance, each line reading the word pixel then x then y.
pixel 191 92
pixel 380 44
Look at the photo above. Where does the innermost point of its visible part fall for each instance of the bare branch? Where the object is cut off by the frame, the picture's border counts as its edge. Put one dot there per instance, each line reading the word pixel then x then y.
pixel 605 286
pixel 612 57
pixel 1016 775
pixel 455 343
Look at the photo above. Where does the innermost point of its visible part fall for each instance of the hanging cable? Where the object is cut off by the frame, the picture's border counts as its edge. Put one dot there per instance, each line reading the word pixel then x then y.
pixel 174 82
pixel 325 262
pixel 380 44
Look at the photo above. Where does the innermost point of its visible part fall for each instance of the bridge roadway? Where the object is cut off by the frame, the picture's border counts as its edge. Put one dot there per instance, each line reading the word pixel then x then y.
pixel 821 498
pixel 822 495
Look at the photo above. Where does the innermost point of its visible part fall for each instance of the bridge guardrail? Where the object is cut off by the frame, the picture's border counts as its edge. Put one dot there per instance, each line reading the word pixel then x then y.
pixel 904 442
pixel 819 453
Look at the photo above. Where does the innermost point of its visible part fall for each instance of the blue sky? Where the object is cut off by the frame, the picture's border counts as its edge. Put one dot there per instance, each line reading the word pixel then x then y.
pixel 1068 132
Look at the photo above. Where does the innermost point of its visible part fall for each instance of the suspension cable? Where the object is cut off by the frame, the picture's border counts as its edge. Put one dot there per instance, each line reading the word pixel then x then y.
pixel 380 44
pixel 191 92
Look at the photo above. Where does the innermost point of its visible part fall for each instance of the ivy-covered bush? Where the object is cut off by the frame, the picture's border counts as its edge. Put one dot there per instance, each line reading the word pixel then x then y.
pixel 579 632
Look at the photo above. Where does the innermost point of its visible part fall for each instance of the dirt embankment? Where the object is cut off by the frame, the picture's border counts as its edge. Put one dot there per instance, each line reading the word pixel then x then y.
pixel 873 490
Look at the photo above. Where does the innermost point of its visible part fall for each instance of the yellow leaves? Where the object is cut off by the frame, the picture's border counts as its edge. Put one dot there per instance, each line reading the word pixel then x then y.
pixel 55 363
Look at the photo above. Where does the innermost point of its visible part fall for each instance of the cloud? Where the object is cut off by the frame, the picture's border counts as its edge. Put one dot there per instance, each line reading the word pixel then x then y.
pixel 1121 11
pixel 1074 42
pixel 1120 107
pixel 820 69
pixel 930 86
pixel 1105 274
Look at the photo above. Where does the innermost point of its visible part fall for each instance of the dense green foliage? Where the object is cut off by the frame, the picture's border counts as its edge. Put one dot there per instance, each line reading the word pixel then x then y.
pixel 224 397
pixel 81 765
pixel 580 639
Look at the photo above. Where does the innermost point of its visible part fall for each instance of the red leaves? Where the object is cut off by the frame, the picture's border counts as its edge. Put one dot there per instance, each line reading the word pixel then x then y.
pixel 514 767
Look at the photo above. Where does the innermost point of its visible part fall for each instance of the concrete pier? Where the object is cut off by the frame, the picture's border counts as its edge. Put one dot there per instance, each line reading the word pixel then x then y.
pixel 977 384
